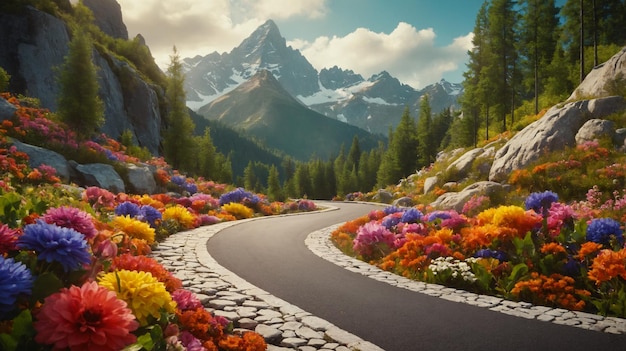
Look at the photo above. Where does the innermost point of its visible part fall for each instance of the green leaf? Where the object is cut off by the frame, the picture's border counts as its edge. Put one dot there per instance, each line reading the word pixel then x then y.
pixel 519 271
pixel 7 342
pixel 45 285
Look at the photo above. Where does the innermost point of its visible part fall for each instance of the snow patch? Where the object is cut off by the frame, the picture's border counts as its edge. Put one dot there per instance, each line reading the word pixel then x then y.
pixel 342 118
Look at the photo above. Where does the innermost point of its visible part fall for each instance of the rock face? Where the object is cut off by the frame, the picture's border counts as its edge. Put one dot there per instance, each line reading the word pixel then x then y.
pixel 556 130
pixel 34 43
pixel 108 17
pixel 594 84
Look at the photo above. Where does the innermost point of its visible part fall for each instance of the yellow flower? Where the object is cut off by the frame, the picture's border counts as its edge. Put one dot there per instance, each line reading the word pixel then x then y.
pixel 143 293
pixel 147 200
pixel 238 210
pixel 181 215
pixel 134 228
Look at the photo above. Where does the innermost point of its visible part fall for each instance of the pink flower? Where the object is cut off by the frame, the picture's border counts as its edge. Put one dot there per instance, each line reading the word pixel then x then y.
pixel 106 249
pixel 90 317
pixel 559 215
pixel 186 300
pixel 8 239
pixel 73 218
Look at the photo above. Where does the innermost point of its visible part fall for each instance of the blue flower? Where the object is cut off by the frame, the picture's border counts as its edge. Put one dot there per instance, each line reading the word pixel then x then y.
pixel 15 280
pixel 601 230
pixel 412 215
pixel 178 180
pixel 190 188
pixel 149 214
pixel 540 202
pixel 109 154
pixel 390 221
pixel 127 208
pixel 438 215
pixel 239 195
pixel 392 209
pixel 486 253
pixel 56 244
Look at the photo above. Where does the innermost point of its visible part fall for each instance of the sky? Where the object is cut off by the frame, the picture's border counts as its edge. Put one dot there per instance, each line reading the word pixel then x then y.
pixel 417 41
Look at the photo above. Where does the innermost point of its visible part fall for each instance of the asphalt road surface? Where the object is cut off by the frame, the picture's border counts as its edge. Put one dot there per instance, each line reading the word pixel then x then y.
pixel 270 253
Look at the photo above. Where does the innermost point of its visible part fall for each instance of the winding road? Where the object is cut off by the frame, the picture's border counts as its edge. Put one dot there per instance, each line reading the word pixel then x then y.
pixel 271 254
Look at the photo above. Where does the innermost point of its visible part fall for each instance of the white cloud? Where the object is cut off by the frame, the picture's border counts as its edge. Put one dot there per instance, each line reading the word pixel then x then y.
pixel 406 53
pixel 202 27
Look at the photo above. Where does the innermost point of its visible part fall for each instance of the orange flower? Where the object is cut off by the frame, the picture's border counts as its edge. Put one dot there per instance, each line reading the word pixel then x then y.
pixel 231 342
pixel 201 324
pixel 555 290
pixel 553 248
pixel 608 265
pixel 587 249
pixel 150 265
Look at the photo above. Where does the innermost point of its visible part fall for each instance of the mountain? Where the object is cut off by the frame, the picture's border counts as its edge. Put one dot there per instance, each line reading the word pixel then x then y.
pixel 264 110
pixel 373 104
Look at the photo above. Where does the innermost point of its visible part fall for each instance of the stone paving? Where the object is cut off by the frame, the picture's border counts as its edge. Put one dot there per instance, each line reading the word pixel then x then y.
pixel 288 327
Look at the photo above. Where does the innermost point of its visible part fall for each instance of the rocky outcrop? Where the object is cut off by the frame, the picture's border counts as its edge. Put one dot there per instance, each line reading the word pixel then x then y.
pixel 595 83
pixel 108 17
pixel 141 180
pixel 595 129
pixel 7 110
pixel 38 156
pixel 98 174
pixel 34 43
pixel 456 200
pixel 556 130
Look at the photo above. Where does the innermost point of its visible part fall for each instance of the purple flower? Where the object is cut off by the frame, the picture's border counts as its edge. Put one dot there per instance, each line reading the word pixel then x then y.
pixel 208 220
pixel 540 202
pixel 190 188
pixel 178 180
pixel 601 231
pixel 127 208
pixel 56 244
pixel 438 215
pixel 392 209
pixel 486 253
pixel 15 280
pixel 412 215
pixel 239 195
pixel 391 220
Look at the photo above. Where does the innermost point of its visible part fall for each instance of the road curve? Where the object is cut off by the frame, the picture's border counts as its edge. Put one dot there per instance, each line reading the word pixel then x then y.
pixel 271 254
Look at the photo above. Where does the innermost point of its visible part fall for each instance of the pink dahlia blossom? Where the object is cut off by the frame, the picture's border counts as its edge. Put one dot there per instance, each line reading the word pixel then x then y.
pixel 89 317
pixel 186 300
pixel 8 239
pixel 73 218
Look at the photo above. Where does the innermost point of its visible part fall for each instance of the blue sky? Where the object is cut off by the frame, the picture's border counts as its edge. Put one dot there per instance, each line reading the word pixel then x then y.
pixel 417 41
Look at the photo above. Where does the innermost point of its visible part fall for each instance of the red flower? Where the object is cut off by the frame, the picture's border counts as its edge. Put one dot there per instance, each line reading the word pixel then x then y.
pixel 87 318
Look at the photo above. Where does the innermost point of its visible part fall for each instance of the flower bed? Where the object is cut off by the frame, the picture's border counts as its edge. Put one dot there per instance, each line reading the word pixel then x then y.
pixel 74 270
pixel 547 252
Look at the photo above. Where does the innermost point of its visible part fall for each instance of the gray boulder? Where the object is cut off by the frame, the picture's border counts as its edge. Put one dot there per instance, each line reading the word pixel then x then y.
pixel 456 200
pixel 429 184
pixel 595 129
pixel 7 110
pixel 556 130
pixel 383 196
pixel 38 156
pixel 141 180
pixel 464 163
pixel 100 175
pixel 404 201
pixel 594 84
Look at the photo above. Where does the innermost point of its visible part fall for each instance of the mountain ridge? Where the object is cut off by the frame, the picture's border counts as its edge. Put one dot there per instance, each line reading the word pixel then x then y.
pixel 263 109
pixel 373 104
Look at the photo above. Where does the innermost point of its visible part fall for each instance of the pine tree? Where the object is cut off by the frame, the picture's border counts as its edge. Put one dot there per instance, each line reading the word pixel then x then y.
pixel 177 143
pixel 274 191
pixel 354 155
pixel 79 105
pixel 303 180
pixel 538 41
pixel 207 156
pixel 426 151
pixel 404 145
